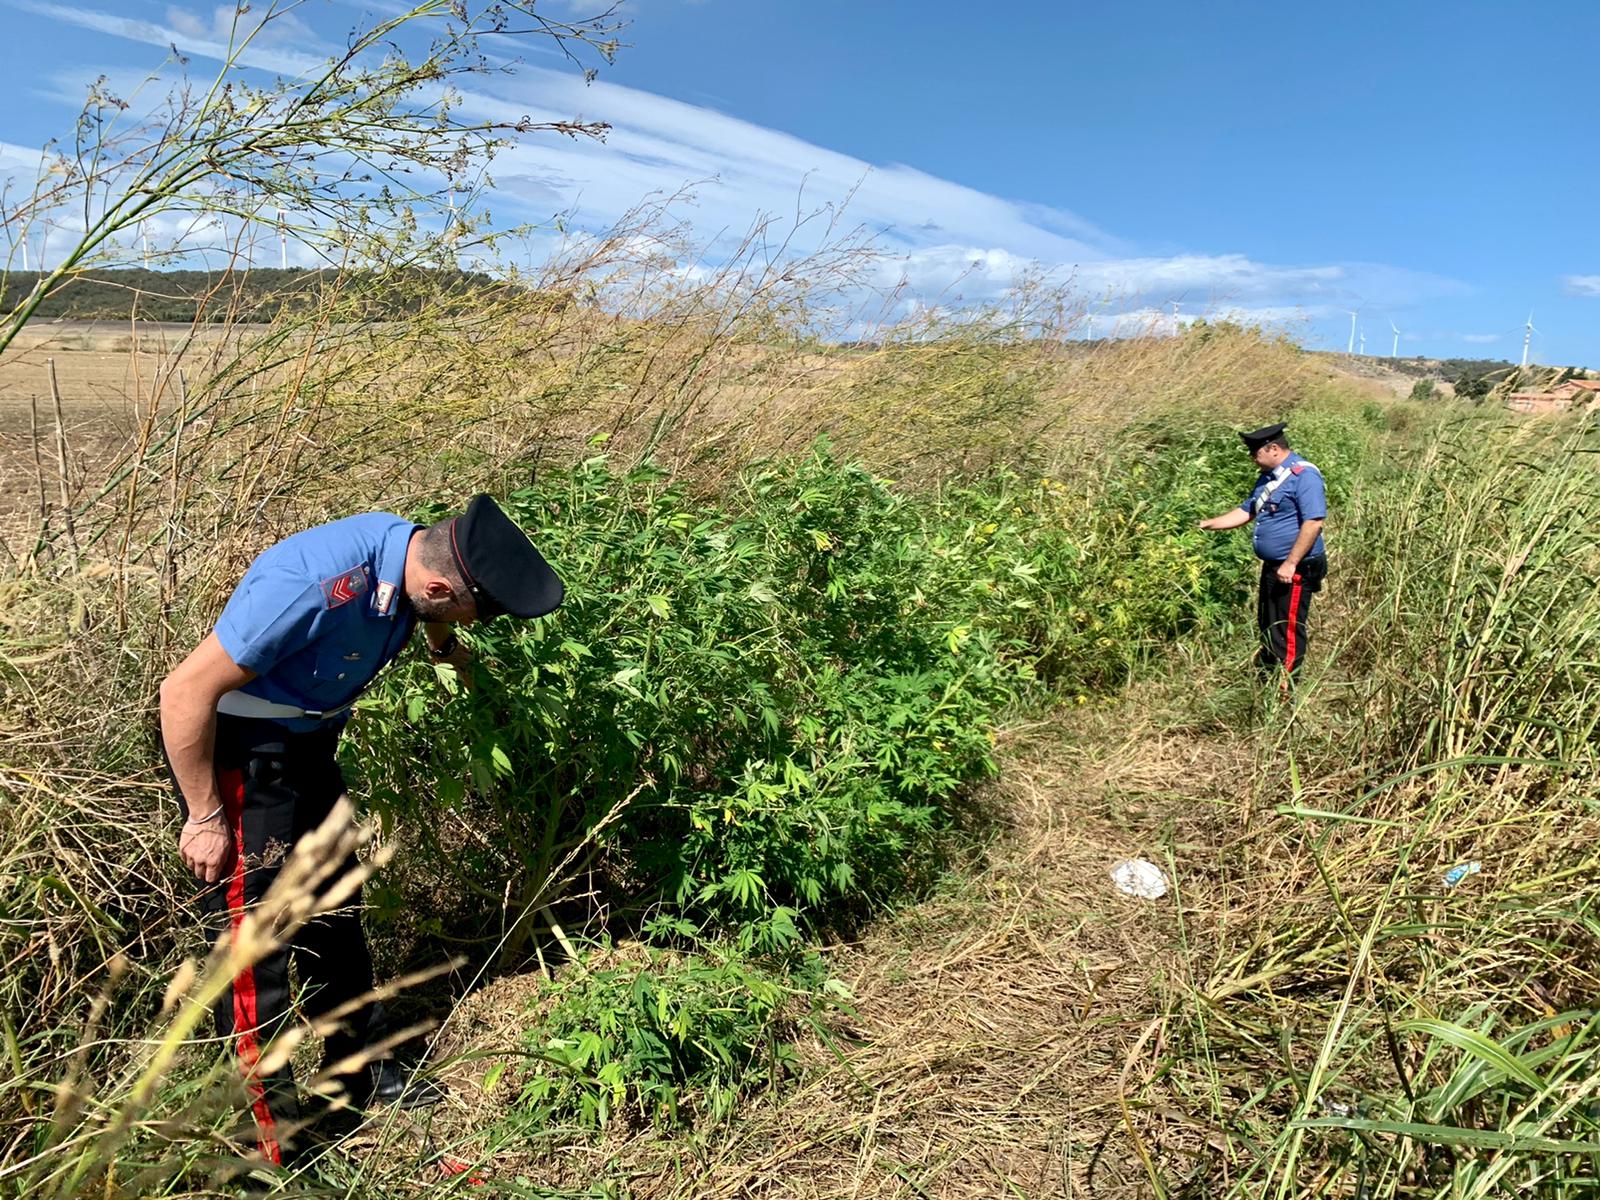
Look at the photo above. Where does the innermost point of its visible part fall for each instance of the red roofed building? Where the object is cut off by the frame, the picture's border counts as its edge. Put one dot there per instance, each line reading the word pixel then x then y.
pixel 1556 399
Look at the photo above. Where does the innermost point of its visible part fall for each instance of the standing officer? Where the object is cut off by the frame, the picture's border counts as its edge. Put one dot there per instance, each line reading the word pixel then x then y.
pixel 250 725
pixel 1289 506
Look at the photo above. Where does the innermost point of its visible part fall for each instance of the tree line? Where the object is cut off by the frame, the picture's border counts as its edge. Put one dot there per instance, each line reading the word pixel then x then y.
pixel 261 294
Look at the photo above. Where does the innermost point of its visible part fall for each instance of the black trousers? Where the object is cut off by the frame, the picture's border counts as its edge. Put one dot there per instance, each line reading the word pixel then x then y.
pixel 1281 612
pixel 276 786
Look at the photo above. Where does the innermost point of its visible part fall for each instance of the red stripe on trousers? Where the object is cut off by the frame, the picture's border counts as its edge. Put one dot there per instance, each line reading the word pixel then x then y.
pixel 1294 617
pixel 244 985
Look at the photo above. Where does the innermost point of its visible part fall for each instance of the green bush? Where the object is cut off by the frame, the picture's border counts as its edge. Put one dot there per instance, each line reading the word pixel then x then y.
pixel 662 1039
pixel 763 708
pixel 755 697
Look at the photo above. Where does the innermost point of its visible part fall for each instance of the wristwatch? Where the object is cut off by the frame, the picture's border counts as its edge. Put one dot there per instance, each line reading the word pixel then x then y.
pixel 449 647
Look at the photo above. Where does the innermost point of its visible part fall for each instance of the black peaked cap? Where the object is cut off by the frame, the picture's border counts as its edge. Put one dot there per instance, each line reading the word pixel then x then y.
pixel 1258 438
pixel 504 571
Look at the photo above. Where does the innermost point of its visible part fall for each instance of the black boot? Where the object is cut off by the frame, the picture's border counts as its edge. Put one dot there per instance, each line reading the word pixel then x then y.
pixel 390 1083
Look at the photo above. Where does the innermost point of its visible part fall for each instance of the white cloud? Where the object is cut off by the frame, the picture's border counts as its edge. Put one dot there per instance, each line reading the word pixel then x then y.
pixel 1230 276
pixel 197 238
pixel 1481 339
pixel 1158 320
pixel 390 8
pixel 15 158
pixel 657 145
pixel 141 90
pixel 1217 285
pixel 1582 285
pixel 226 24
pixel 189 239
pixel 1137 322
pixel 191 34
pixel 974 272
pixel 943 238
pixel 1276 316
pixel 945 241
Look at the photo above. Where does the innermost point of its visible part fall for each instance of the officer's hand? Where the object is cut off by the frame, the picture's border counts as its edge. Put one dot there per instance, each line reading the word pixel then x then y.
pixel 1285 572
pixel 206 849
pixel 461 659
pixel 1205 523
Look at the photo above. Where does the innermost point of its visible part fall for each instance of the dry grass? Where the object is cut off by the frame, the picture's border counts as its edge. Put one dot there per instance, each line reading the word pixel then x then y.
pixel 1011 1030
pixel 254 429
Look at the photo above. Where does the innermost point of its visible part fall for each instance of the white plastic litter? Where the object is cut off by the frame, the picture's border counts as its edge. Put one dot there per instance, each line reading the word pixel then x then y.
pixel 1139 877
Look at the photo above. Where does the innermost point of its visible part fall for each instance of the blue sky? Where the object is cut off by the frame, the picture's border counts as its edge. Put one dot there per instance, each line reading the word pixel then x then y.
pixel 1429 163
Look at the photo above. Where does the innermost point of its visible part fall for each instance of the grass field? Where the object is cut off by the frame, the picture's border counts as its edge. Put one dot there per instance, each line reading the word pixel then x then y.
pixel 858 868
pixel 777 861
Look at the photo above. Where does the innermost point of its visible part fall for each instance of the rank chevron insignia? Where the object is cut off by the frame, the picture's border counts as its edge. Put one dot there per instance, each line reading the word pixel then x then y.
pixel 341 589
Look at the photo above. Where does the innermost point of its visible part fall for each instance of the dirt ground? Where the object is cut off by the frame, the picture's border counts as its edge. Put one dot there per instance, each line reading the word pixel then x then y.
pixel 99 373
pixel 102 382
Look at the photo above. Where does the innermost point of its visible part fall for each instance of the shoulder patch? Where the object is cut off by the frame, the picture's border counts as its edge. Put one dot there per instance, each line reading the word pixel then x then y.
pixel 341 589
pixel 1297 468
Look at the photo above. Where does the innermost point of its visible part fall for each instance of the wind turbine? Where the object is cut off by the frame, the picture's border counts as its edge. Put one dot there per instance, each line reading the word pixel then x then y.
pixel 1395 349
pixel 144 242
pixel 283 242
pixel 1527 336
pixel 1351 348
pixel 1176 328
pixel 1363 342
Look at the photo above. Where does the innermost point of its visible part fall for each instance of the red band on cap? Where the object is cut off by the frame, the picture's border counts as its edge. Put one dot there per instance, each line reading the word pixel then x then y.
pixel 455 552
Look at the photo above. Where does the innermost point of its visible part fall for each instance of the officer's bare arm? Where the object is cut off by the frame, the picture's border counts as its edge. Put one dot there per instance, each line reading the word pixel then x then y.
pixel 1303 542
pixel 189 720
pixel 1231 519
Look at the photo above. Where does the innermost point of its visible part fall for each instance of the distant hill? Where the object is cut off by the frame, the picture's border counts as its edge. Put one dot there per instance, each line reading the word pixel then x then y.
pixel 1477 379
pixel 257 295
pixel 1418 367
pixel 1486 379
pixel 1452 368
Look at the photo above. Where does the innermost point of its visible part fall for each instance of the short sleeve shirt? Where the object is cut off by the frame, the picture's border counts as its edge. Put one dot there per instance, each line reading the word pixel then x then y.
pixel 318 615
pixel 1279 506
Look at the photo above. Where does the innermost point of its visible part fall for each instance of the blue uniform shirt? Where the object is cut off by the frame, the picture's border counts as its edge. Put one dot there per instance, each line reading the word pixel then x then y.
pixel 317 616
pixel 1296 494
